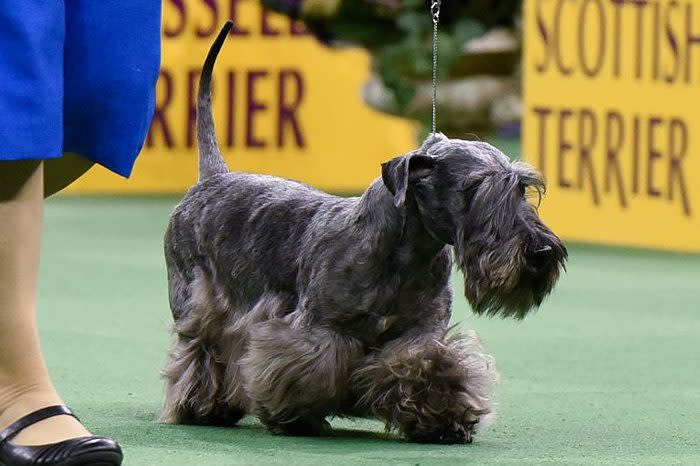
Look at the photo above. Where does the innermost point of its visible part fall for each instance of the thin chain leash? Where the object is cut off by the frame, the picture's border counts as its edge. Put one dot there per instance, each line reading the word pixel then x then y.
pixel 435 13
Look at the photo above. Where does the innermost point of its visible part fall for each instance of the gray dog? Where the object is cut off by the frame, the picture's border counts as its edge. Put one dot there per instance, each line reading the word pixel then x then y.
pixel 295 305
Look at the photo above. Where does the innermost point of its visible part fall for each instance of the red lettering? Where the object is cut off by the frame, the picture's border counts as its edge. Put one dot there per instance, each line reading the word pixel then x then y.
pixel 636 136
pixel 542 30
pixel 557 26
pixel 254 106
pixel 586 144
pixel 692 40
pixel 653 156
pixel 673 44
pixel 614 139
pixel 265 27
pixel 182 14
pixel 213 24
pixel 583 42
pixel 288 107
pixel 236 30
pixel 564 147
pixel 542 113
pixel 677 151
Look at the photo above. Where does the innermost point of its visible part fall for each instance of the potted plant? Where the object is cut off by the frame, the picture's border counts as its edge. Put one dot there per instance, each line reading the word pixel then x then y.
pixel 479 52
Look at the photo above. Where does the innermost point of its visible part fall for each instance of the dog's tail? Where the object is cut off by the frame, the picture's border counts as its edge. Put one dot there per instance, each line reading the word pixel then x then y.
pixel 211 162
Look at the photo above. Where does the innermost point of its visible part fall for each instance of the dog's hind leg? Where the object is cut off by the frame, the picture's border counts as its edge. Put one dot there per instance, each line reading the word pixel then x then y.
pixel 195 385
pixel 296 375
pixel 433 390
pixel 194 392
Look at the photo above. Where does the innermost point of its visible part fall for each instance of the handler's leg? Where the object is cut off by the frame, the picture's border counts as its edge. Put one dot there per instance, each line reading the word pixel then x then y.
pixel 60 173
pixel 25 385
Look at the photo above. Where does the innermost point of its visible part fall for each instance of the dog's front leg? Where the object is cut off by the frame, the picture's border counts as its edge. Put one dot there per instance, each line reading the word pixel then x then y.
pixel 432 390
pixel 296 375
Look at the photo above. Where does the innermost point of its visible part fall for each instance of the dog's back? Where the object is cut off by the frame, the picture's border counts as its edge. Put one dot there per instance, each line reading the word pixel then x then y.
pixel 230 228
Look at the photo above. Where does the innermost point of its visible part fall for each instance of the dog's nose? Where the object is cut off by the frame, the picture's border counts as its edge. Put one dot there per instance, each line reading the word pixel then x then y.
pixel 539 256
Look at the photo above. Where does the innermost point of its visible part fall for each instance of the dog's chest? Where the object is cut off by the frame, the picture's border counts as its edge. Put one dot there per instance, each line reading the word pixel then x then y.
pixel 394 313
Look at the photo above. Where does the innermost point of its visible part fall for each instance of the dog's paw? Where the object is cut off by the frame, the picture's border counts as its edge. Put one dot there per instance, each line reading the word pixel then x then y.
pixel 434 391
pixel 300 428
pixel 458 431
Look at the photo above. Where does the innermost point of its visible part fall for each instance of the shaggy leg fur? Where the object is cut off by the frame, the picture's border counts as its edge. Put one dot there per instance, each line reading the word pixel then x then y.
pixel 193 392
pixel 432 391
pixel 197 389
pixel 296 375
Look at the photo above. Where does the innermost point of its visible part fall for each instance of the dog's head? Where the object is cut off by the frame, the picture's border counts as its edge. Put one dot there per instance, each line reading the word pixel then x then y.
pixel 470 195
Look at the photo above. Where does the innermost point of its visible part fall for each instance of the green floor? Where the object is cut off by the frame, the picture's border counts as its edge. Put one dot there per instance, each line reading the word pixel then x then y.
pixel 608 372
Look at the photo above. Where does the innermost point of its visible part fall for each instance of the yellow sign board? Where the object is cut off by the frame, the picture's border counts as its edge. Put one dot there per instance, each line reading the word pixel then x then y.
pixel 283 105
pixel 612 118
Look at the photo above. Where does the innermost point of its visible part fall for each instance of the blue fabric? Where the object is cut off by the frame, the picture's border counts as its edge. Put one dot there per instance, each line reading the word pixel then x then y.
pixel 78 76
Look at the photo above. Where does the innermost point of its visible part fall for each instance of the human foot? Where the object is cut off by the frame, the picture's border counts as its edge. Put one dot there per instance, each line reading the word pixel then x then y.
pixel 51 430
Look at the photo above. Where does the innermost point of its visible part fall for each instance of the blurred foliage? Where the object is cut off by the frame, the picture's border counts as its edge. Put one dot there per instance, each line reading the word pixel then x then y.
pixel 398 33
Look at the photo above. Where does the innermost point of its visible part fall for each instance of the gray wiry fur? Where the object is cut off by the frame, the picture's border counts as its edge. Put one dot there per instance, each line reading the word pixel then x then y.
pixel 422 386
pixel 295 305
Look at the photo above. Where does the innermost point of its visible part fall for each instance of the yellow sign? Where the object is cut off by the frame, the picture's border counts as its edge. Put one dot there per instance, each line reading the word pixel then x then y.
pixel 612 118
pixel 283 104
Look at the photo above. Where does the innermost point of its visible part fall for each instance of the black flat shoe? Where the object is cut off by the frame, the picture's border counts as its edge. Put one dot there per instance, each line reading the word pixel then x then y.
pixel 80 451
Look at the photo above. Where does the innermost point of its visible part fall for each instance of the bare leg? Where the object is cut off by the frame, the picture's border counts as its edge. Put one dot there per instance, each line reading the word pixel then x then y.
pixel 25 385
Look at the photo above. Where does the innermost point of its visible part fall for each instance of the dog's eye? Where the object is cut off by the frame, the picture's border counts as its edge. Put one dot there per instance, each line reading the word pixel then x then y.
pixel 521 189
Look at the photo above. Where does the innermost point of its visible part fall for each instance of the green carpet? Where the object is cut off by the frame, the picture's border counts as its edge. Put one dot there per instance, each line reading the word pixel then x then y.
pixel 607 372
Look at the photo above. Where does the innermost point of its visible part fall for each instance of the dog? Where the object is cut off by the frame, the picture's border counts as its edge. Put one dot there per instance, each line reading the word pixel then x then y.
pixel 295 305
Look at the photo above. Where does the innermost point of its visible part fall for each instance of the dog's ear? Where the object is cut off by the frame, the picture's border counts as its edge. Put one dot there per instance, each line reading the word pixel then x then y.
pixel 399 172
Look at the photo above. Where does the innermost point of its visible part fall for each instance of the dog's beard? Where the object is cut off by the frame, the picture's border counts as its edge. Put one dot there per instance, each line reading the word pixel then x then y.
pixel 501 279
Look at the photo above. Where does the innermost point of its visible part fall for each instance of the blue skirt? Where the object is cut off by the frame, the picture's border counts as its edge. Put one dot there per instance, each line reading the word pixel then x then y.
pixel 78 76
